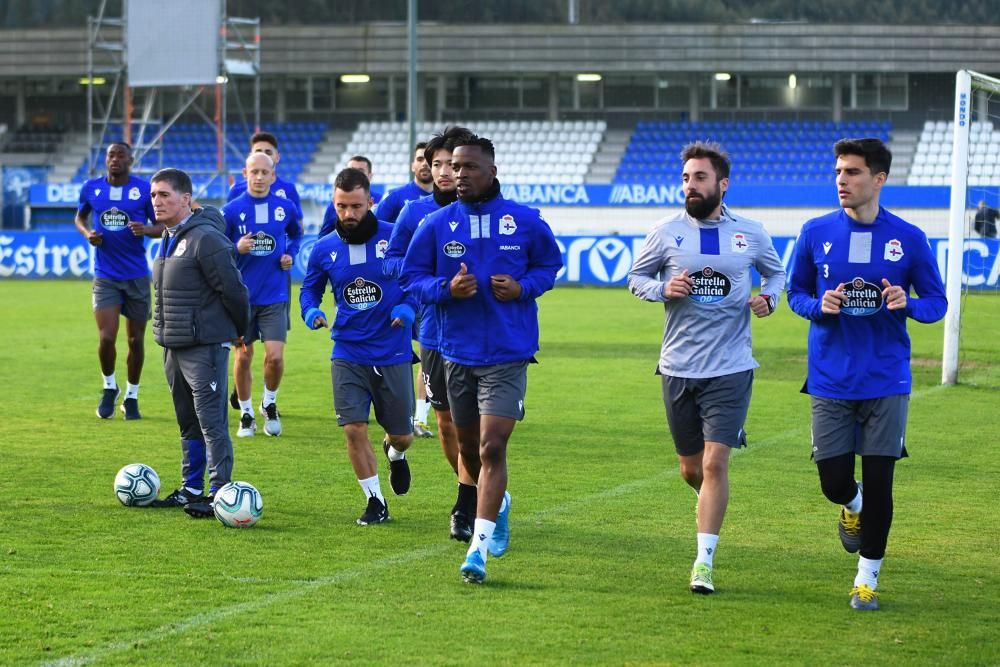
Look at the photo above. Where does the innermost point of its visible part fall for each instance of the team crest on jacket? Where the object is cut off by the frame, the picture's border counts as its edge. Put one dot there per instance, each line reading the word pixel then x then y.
pixel 380 248
pixel 710 286
pixel 893 250
pixel 361 294
pixel 114 219
pixel 740 242
pixel 507 225
pixel 279 214
pixel 181 247
pixel 453 249
pixel 263 244
pixel 281 193
pixel 134 194
pixel 863 298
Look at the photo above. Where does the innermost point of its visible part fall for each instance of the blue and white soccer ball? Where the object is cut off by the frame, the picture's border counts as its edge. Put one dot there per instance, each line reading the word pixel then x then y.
pixel 238 505
pixel 137 485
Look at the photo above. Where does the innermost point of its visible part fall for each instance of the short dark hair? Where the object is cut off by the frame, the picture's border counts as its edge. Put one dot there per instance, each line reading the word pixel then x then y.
pixel 445 140
pixel 350 179
pixel 264 136
pixel 179 180
pixel 877 155
pixel 711 150
pixel 124 144
pixel 421 145
pixel 475 140
pixel 361 158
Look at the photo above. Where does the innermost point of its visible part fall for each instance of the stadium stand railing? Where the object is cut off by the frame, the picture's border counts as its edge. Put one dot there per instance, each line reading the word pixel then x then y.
pixel 536 152
pixel 932 161
pixel 192 147
pixel 761 151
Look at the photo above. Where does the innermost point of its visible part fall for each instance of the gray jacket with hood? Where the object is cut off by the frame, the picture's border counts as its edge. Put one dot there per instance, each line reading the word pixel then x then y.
pixel 200 295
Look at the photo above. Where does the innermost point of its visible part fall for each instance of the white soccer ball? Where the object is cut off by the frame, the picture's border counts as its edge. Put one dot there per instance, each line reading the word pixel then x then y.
pixel 136 485
pixel 238 505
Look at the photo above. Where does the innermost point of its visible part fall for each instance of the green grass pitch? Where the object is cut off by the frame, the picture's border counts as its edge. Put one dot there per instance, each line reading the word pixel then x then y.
pixel 603 532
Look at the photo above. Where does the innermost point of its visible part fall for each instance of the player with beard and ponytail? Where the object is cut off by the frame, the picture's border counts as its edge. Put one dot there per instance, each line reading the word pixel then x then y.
pixel 697 263
pixel 438 155
pixel 372 353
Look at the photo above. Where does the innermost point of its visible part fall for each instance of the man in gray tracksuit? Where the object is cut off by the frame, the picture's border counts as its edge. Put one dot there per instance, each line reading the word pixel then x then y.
pixel 202 306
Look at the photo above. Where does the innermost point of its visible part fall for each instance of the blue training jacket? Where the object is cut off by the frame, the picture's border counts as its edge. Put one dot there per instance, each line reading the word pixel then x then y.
pixel 492 237
pixel 864 352
pixel 410 218
pixel 366 300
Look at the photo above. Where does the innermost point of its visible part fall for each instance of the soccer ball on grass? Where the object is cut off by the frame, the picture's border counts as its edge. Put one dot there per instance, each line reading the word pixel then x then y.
pixel 137 485
pixel 238 505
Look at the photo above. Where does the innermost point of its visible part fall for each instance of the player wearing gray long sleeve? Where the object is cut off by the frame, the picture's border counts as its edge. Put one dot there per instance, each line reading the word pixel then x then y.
pixel 697 264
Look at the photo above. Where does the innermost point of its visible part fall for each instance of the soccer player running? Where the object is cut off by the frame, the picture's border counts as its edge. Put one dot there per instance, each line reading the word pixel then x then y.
pixel 388 209
pixel 372 356
pixel 267 143
pixel 121 210
pixel 484 261
pixel 698 264
pixel 438 154
pixel 852 272
pixel 330 214
pixel 202 308
pixel 267 232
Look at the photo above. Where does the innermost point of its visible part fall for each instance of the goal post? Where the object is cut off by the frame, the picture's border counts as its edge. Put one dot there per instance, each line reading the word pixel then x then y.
pixel 966 82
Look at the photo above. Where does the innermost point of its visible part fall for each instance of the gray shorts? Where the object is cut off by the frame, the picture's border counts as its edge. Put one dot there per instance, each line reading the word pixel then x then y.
pixel 433 376
pixel 270 322
pixel 132 295
pixel 872 427
pixel 389 388
pixel 712 409
pixel 496 390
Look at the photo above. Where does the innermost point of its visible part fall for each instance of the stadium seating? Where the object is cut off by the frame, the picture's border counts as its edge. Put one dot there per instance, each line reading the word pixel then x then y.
pixel 31 138
pixel 932 160
pixel 761 151
pixel 192 147
pixel 545 152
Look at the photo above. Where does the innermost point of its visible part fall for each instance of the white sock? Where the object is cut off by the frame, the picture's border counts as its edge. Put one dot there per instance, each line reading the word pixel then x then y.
pixel 868 572
pixel 481 536
pixel 109 381
pixel 396 455
pixel 371 488
pixel 423 408
pixel 706 548
pixel 246 406
pixel 855 505
pixel 269 396
pixel 131 390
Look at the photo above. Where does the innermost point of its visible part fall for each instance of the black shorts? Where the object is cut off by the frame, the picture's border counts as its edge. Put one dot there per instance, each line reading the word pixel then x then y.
pixel 433 376
pixel 496 390
pixel 357 388
pixel 132 295
pixel 871 427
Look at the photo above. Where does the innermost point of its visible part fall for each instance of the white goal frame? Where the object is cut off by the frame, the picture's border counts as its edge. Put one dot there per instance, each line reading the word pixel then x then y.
pixel 966 81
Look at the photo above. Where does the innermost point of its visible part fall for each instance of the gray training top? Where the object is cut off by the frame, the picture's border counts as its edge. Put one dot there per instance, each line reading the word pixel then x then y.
pixel 707 334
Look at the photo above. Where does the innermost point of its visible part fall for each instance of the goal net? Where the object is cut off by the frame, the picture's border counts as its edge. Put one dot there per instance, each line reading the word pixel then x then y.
pixel 972 325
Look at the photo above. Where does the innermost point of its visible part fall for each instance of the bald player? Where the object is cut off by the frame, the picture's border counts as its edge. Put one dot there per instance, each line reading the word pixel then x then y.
pixel 267 231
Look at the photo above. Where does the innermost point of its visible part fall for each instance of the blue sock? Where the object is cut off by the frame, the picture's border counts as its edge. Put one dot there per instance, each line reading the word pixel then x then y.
pixel 198 461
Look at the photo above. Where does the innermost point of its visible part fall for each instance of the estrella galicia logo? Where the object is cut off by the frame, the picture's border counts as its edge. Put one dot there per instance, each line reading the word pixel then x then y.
pixel 453 249
pixel 609 260
pixel 302 259
pixel 361 294
pixel 710 286
pixel 863 298
pixel 113 219
pixel 263 245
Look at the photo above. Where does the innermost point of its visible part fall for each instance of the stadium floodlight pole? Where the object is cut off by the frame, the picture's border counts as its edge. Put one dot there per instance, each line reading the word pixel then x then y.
pixel 965 82
pixel 411 75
